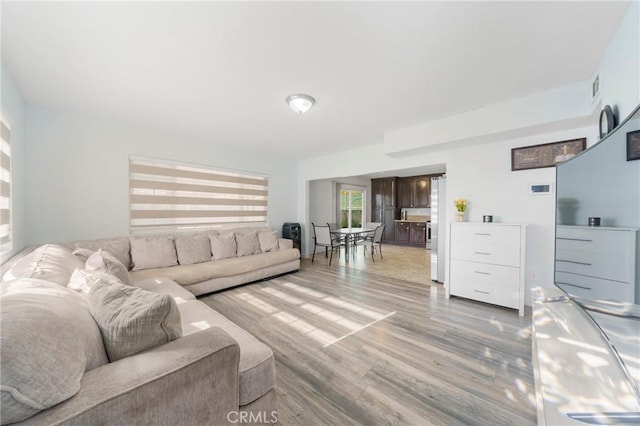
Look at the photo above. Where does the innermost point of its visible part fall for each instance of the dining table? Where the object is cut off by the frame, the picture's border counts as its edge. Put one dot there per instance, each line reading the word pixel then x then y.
pixel 350 237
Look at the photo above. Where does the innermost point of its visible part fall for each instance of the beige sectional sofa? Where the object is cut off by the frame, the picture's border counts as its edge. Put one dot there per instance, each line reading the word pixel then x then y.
pixel 56 366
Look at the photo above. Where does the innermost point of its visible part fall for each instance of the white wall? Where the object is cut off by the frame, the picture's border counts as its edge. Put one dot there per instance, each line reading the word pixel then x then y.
pixel 13 112
pixel 620 66
pixel 78 184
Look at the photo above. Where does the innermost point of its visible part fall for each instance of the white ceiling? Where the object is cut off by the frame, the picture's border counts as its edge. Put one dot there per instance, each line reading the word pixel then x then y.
pixel 221 71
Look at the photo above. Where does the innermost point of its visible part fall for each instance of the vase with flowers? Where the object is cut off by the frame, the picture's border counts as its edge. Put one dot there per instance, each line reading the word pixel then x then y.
pixel 461 208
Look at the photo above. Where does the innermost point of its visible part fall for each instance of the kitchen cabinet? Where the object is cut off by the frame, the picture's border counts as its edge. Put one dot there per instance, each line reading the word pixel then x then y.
pixel 414 192
pixel 418 234
pixel 384 206
pixel 487 263
pixel 402 232
pixel 414 233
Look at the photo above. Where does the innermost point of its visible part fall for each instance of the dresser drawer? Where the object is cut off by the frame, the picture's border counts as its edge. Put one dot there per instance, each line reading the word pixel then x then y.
pixel 498 245
pixel 499 285
pixel 594 288
pixel 594 240
pixel 600 265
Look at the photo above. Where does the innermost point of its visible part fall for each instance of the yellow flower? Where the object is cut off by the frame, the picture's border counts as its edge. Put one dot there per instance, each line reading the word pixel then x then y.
pixel 461 204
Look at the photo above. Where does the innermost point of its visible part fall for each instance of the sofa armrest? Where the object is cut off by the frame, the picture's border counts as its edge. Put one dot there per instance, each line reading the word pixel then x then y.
pixel 192 380
pixel 285 243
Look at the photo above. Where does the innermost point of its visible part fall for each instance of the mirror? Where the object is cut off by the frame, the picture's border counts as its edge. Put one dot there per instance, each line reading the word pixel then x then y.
pixel 597 259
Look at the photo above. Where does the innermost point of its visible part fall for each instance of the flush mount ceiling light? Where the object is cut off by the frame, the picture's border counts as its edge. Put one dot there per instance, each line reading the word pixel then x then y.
pixel 300 103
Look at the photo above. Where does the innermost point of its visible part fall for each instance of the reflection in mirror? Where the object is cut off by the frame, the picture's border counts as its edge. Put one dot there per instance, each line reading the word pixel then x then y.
pixel 598 265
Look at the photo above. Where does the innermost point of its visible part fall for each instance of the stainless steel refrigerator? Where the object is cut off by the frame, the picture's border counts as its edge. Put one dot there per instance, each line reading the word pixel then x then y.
pixel 438 226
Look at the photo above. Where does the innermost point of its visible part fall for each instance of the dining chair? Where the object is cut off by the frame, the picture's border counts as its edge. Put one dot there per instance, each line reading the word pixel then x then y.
pixel 322 238
pixel 376 240
pixel 337 237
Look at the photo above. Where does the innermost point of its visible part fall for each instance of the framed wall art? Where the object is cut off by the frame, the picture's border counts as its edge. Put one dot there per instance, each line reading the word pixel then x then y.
pixel 546 154
pixel 633 145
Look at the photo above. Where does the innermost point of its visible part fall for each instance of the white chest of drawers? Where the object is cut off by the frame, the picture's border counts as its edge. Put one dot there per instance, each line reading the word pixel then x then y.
pixel 487 263
pixel 596 262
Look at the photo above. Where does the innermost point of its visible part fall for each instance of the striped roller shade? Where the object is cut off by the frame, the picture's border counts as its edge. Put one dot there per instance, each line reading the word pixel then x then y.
pixel 167 194
pixel 6 240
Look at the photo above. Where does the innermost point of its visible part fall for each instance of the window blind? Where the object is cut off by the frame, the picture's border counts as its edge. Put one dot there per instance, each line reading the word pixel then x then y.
pixel 6 233
pixel 176 195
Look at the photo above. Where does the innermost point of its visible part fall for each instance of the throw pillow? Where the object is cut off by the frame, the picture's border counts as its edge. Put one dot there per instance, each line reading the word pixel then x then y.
pixel 131 319
pixel 49 340
pixel 103 261
pixel 83 253
pixel 223 245
pixel 248 244
pixel 50 262
pixel 268 241
pixel 119 247
pixel 193 249
pixel 82 280
pixel 153 252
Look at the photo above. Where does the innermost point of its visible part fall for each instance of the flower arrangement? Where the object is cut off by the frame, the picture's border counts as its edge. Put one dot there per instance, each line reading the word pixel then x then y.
pixel 461 204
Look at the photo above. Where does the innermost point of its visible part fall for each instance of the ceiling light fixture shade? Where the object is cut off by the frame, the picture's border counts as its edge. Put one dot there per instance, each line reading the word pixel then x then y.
pixel 300 103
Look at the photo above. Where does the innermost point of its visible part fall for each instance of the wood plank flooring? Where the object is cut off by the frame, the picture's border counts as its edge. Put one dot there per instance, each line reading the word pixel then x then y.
pixel 353 347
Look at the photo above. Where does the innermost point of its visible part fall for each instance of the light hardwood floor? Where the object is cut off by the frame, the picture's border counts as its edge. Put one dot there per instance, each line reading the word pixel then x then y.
pixel 356 347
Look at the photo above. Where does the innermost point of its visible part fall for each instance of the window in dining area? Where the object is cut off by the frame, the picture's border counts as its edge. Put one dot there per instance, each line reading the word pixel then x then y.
pixel 351 208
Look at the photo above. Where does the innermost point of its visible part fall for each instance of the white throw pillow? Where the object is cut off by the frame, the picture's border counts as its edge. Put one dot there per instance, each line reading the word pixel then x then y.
pixel 132 319
pixel 153 252
pixel 103 261
pixel 268 241
pixel 82 280
pixel 49 339
pixel 223 245
pixel 248 244
pixel 193 249
pixel 119 247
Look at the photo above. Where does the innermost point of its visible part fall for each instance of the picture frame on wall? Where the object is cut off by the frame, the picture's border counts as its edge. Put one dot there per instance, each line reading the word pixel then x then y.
pixel 633 145
pixel 546 154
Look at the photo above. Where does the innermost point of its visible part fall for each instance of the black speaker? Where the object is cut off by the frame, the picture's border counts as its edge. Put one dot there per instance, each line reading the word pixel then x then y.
pixel 293 231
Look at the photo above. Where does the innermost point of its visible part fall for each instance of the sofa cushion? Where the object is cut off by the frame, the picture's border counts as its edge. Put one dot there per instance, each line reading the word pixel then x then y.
pixel 192 249
pixel 268 241
pixel 119 247
pixel 153 252
pixel 103 261
pixel 50 262
pixel 193 274
pixel 223 246
pixel 132 319
pixel 257 367
pixel 162 285
pixel 48 340
pixel 82 280
pixel 248 244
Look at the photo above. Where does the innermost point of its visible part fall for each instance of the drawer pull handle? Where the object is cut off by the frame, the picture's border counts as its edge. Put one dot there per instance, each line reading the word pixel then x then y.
pixel 573 261
pixel 575 239
pixel 483 233
pixel 482 292
pixel 575 285
pixel 482 273
pixel 483 253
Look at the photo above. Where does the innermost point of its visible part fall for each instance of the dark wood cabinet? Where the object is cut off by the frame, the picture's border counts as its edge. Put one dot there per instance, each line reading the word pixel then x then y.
pixel 422 192
pixel 413 233
pixel 384 205
pixel 402 232
pixel 414 192
pixel 418 234
pixel 405 192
